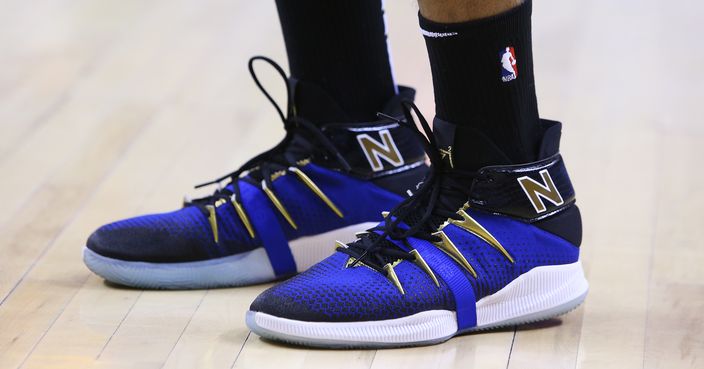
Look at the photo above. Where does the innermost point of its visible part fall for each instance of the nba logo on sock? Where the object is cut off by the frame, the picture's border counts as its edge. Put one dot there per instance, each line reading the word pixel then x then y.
pixel 509 69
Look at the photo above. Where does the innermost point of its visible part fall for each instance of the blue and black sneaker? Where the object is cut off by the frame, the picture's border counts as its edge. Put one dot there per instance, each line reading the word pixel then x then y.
pixel 280 213
pixel 470 250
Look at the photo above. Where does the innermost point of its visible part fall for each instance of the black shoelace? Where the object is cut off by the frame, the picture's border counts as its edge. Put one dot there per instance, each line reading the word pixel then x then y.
pixel 442 194
pixel 303 139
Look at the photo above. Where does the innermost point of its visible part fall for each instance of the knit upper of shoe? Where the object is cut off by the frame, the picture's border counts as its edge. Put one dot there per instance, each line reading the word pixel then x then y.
pixel 329 291
pixel 186 234
pixel 181 235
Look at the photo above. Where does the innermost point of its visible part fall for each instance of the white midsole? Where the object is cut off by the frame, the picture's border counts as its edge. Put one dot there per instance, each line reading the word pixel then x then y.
pixel 540 289
pixel 241 269
pixel 423 326
pixel 541 293
pixel 308 251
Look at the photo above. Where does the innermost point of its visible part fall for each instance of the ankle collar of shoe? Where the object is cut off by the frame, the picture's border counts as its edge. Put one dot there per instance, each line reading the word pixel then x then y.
pixel 531 191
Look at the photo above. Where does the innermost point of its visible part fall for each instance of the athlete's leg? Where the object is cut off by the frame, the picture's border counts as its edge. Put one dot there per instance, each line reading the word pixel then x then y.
pixel 340 46
pixel 455 11
pixel 481 60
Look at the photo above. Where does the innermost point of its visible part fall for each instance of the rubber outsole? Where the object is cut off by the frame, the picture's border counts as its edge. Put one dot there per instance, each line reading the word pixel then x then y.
pixel 237 270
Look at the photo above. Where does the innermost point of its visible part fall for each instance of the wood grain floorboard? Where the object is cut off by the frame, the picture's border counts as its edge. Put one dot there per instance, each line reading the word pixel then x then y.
pixel 115 108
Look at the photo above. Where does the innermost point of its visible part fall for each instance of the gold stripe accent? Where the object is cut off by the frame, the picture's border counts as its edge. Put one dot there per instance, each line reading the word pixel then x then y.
pixel 278 205
pixel 445 244
pixel 243 215
pixel 391 275
pixel 277 174
pixel 384 214
pixel 213 221
pixel 423 265
pixel 340 244
pixel 472 226
pixel 316 190
pixel 349 262
pixel 220 202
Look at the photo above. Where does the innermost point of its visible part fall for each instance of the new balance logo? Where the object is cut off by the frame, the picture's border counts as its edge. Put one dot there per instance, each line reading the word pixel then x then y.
pixel 375 150
pixel 537 191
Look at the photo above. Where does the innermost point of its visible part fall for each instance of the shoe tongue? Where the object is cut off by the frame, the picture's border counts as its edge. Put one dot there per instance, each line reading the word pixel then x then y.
pixel 465 148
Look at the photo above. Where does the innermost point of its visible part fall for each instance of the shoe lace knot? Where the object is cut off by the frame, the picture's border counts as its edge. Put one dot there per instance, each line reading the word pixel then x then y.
pixel 443 191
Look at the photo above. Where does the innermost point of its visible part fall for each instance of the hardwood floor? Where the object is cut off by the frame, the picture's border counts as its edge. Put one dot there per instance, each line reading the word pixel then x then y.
pixel 113 108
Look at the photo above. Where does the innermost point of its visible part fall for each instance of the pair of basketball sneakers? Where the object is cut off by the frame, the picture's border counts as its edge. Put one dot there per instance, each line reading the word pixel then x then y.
pixel 459 250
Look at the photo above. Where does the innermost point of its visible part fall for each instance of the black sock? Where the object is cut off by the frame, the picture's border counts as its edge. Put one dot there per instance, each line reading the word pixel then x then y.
pixel 473 89
pixel 339 47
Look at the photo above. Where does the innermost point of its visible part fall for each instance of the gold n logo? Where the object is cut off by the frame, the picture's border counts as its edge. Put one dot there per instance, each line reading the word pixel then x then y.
pixel 537 191
pixel 375 150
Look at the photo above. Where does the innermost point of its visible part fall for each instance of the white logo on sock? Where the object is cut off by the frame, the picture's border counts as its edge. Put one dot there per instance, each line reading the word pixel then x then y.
pixel 509 68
